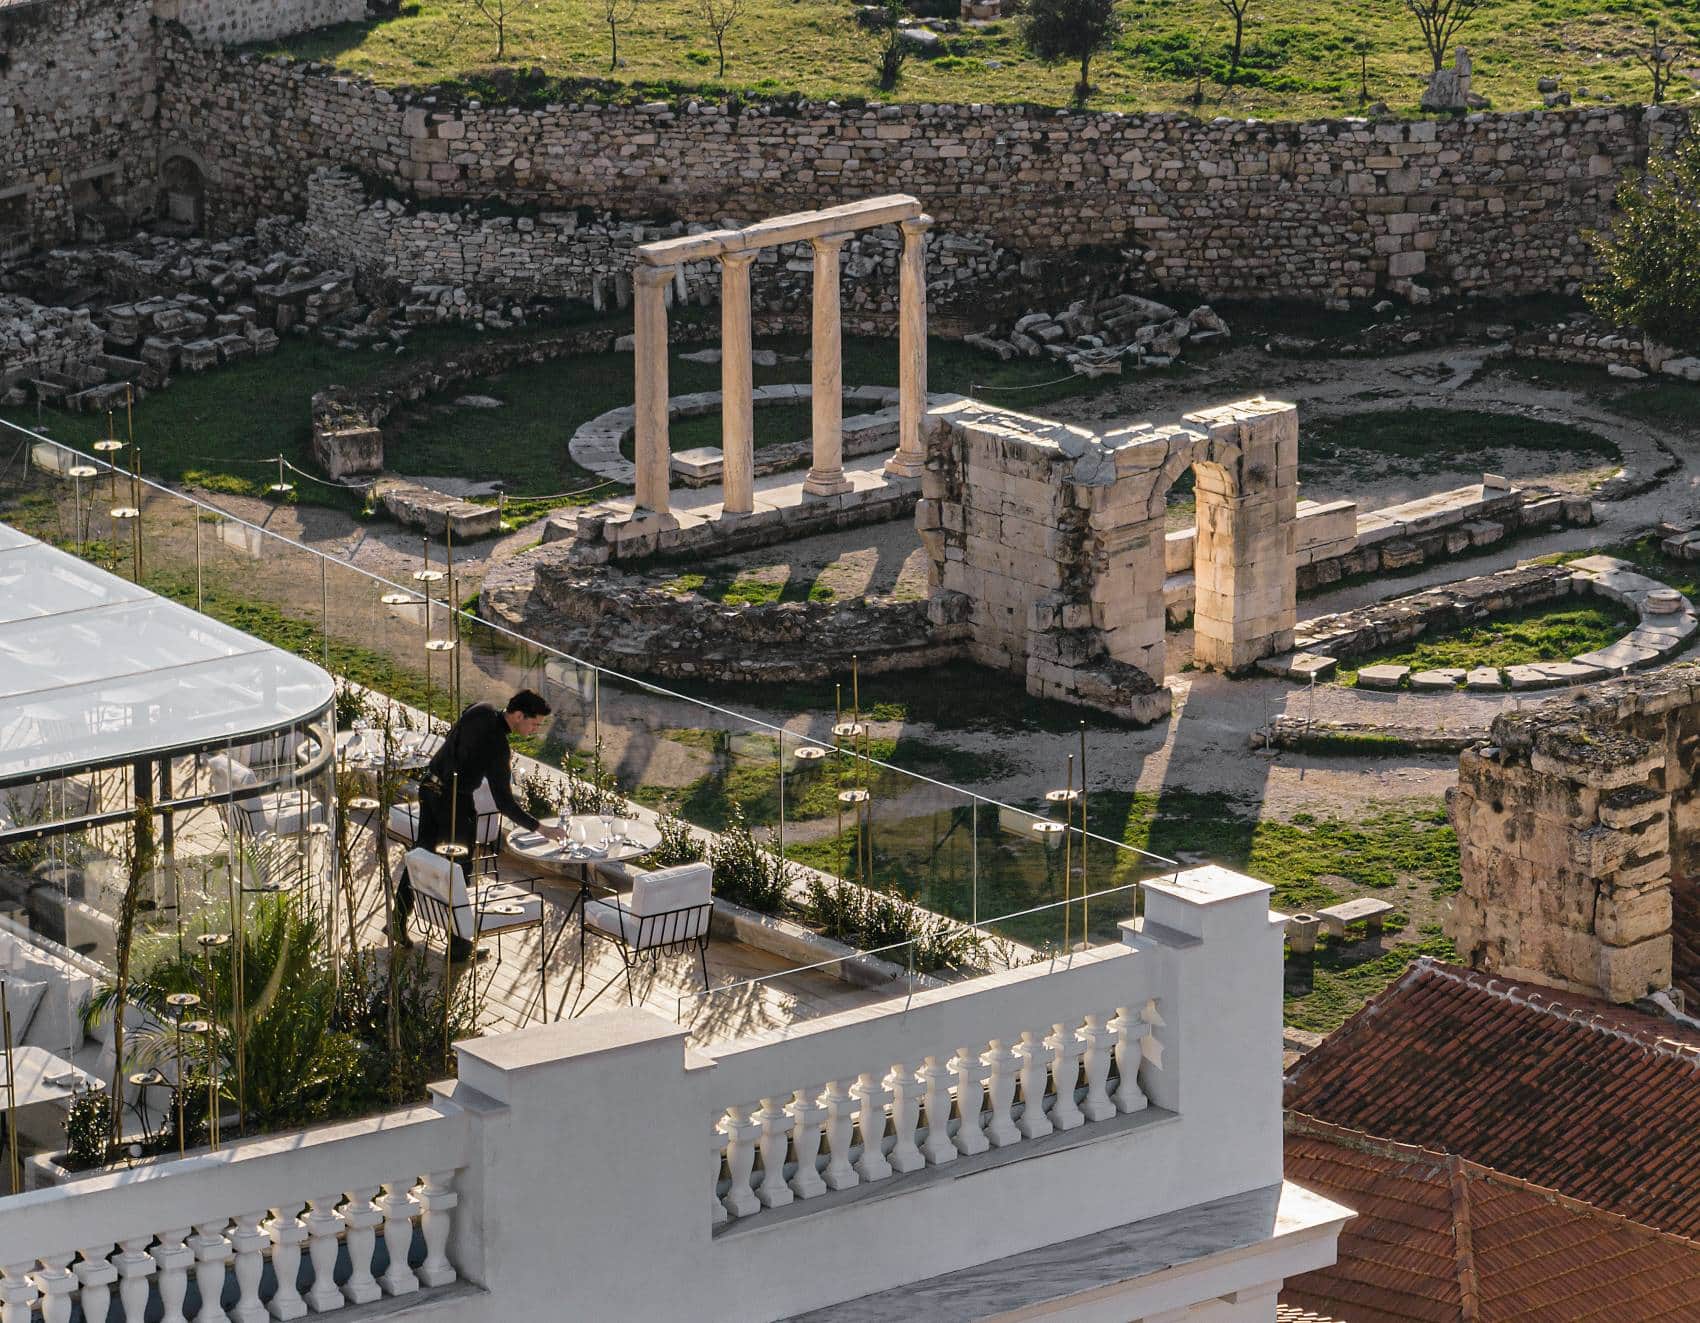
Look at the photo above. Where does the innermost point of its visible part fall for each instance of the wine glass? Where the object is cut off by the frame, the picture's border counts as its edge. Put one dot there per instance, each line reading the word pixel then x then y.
pixel 581 837
pixel 607 817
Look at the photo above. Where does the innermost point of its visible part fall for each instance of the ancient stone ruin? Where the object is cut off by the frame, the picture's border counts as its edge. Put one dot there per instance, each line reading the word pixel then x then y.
pixel 1053 538
pixel 1578 825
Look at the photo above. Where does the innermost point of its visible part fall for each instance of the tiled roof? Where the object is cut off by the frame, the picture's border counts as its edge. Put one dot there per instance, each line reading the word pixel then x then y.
pixel 1598 1102
pixel 1439 1239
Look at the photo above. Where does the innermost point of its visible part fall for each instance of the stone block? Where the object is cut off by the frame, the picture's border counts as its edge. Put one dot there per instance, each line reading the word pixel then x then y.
pixel 341 451
pixel 1436 681
pixel 1382 676
pixel 1483 678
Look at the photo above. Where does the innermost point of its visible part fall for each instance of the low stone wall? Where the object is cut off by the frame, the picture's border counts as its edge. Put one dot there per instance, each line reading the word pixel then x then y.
pixel 628 623
pixel 1571 818
pixel 1623 351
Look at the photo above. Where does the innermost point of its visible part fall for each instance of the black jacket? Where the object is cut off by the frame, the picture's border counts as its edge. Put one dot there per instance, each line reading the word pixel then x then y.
pixel 474 750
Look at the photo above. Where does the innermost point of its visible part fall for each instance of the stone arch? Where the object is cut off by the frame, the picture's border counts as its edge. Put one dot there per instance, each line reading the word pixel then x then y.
pixel 183 178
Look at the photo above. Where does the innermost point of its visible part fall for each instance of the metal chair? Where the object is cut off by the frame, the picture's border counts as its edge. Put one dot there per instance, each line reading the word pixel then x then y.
pixel 667 911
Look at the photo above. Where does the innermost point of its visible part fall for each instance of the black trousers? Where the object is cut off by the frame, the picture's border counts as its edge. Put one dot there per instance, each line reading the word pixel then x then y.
pixel 437 813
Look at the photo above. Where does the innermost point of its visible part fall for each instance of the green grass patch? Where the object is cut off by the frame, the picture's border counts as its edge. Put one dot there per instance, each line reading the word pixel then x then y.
pixel 1546 632
pixel 726 584
pixel 1350 744
pixel 1438 439
pixel 1323 993
pixel 1299 59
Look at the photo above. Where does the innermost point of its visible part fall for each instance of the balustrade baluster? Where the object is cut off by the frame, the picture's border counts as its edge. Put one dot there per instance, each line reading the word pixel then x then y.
pixel 18 1292
pixel 1066 1047
pixel 248 1247
pixel 211 1254
pixel 905 1114
pixel 361 1216
pixel 438 1199
pixel 934 1080
pixel 840 1124
pixel 773 1127
pixel 95 1275
pixel 870 1092
pixel 970 1096
pixel 57 1283
pixel 135 1265
pixel 741 1135
pixel 323 1225
pixel 173 1258
pixel 1129 1029
pixel 1035 1067
pixel 806 1118
pixel 1000 1063
pixel 1100 1041
pixel 718 1148
pixel 287 1233
pixel 399 1209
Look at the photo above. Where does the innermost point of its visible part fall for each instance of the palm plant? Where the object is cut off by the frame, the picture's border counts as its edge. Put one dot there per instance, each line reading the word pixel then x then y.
pixel 297 1061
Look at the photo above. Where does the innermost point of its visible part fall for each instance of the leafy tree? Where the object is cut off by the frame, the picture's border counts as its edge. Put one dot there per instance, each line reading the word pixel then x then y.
pixel 1441 21
pixel 1057 30
pixel 1650 276
pixel 720 15
pixel 894 49
pixel 1236 11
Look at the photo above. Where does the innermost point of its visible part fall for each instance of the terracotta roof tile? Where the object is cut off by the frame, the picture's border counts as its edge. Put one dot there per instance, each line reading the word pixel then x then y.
pixel 1440 1238
pixel 1598 1102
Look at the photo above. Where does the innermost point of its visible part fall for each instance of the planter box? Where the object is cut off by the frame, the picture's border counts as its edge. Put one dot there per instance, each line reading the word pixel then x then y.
pixel 791 941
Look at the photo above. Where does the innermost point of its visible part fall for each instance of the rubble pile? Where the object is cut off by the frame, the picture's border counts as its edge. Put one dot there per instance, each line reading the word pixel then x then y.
pixel 58 347
pixel 1096 337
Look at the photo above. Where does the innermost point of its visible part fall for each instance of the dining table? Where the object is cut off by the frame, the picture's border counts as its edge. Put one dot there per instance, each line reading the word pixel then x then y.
pixel 591 840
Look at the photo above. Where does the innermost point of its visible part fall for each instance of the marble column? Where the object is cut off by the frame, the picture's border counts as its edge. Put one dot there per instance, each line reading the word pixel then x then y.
pixel 737 408
pixel 911 457
pixel 650 362
pixel 826 475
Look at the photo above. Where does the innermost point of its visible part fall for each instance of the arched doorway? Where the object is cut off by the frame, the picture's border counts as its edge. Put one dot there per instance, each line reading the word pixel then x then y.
pixel 182 201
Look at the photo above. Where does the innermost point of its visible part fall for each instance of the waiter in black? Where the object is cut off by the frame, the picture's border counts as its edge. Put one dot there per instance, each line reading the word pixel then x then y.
pixel 475 750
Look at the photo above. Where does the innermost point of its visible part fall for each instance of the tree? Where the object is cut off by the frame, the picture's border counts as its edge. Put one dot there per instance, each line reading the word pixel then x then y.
pixel 1660 59
pixel 495 13
pixel 720 15
pixel 894 49
pixel 1649 276
pixel 1237 11
pixel 614 13
pixel 1070 30
pixel 1441 21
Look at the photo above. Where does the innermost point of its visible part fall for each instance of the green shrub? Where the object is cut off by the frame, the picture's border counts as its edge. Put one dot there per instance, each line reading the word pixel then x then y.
pixel 1651 279
pixel 872 920
pixel 678 844
pixel 745 872
pixel 85 1131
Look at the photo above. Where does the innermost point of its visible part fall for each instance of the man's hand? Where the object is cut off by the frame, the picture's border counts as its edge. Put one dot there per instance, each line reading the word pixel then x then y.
pixel 551 833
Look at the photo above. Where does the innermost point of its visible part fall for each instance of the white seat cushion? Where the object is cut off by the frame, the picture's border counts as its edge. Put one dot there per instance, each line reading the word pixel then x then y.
pixel 607 917
pixel 445 882
pixel 22 997
pixel 661 892
pixel 404 824
pixel 663 889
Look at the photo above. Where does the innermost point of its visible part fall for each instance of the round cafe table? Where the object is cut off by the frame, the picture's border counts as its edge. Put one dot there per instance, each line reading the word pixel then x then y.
pixel 363 750
pixel 633 838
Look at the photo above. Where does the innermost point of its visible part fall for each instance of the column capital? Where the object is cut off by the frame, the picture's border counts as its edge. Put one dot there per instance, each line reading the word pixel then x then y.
pixel 829 242
pixel 652 277
pixel 916 225
pixel 739 259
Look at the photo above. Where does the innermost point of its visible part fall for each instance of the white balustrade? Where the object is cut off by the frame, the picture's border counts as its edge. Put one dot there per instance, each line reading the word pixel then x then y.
pixel 127 1249
pixel 883 1122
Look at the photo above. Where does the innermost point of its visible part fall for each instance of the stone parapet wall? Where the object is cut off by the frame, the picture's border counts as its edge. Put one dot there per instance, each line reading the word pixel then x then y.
pixel 1490 204
pixel 1570 821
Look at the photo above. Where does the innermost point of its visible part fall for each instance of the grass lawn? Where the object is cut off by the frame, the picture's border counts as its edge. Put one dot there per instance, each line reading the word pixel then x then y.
pixel 222 430
pixel 1300 58
pixel 1437 439
pixel 1549 632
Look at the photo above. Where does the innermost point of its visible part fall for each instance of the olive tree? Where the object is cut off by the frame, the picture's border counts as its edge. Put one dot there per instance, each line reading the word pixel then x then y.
pixel 1057 30
pixel 1649 277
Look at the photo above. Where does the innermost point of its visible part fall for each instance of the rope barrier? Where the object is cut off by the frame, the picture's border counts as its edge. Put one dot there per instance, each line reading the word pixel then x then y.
pixel 1040 385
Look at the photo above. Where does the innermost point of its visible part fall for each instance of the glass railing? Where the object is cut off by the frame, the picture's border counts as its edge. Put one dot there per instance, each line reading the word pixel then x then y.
pixel 836 812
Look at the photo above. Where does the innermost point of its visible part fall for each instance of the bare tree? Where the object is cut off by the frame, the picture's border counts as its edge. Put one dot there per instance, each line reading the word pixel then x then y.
pixel 1659 59
pixel 614 13
pixel 495 13
pixel 720 15
pixel 1441 21
pixel 1237 11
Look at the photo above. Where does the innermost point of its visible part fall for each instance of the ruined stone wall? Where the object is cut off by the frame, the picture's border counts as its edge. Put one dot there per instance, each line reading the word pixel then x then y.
pixel 1571 819
pixel 572 255
pixel 234 22
pixel 77 79
pixel 1491 204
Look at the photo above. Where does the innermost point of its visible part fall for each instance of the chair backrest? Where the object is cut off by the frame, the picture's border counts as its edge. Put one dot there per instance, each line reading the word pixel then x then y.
pixel 229 776
pixel 665 889
pixel 441 880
